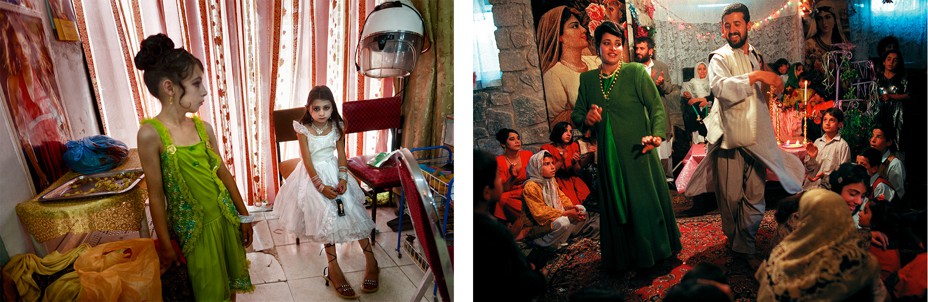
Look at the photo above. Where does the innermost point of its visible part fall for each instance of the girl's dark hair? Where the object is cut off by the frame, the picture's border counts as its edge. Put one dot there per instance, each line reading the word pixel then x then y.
pixel 159 59
pixel 846 174
pixel 547 155
pixel 900 65
pixel 322 92
pixel 607 27
pixel 557 131
pixel 503 135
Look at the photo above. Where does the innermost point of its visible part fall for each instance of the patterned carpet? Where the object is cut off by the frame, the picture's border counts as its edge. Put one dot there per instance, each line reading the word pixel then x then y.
pixel 578 268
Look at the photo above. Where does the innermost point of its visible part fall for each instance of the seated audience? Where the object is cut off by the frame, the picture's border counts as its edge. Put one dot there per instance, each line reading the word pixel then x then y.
pixel 504 272
pixel 880 187
pixel 568 160
pixel 511 168
pixel 883 139
pixel 827 152
pixel 553 217
pixel 822 259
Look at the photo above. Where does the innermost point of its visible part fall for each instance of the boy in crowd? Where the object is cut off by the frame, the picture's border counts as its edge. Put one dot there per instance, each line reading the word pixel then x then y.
pixel 827 152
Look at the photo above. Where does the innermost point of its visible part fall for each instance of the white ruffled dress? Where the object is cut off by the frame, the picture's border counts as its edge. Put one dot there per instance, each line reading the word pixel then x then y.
pixel 305 212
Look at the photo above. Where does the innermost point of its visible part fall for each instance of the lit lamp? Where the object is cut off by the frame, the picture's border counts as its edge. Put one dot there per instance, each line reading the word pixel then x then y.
pixel 390 41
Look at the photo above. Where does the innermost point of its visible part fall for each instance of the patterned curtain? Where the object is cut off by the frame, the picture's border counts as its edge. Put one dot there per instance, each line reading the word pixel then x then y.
pixel 258 56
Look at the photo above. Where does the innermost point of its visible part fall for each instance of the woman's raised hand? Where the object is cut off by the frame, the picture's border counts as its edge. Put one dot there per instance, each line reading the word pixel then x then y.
pixel 650 142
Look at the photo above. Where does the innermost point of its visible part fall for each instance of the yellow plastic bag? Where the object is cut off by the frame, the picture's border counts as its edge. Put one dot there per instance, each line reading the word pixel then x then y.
pixel 125 270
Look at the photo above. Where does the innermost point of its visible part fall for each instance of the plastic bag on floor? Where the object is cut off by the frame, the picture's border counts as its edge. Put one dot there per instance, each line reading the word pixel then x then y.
pixel 125 270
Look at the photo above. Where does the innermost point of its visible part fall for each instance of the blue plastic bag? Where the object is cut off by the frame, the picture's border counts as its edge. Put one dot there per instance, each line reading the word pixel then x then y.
pixel 95 154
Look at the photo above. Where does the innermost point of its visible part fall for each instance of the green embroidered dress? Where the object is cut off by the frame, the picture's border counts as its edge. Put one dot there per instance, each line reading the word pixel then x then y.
pixel 638 227
pixel 202 217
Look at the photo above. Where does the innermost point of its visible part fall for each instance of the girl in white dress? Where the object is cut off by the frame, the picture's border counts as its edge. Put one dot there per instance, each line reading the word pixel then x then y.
pixel 319 201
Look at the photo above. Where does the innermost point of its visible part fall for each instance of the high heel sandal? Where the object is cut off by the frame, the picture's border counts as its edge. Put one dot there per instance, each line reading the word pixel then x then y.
pixel 344 291
pixel 371 285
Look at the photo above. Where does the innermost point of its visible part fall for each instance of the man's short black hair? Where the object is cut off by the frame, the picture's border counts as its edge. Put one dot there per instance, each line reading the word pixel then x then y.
pixel 836 113
pixel 873 156
pixel 484 173
pixel 737 8
pixel 645 40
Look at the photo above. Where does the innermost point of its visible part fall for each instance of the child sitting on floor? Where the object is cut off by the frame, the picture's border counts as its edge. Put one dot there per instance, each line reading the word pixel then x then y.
pixel 553 217
pixel 827 152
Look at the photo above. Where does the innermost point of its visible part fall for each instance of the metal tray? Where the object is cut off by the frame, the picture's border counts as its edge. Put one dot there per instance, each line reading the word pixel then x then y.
pixel 84 185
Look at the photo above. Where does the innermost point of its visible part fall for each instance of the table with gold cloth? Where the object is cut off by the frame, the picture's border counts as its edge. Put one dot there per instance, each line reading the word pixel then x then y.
pixel 46 220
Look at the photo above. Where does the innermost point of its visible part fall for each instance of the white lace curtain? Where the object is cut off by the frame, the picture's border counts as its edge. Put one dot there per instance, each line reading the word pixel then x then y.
pixel 258 55
pixel 778 38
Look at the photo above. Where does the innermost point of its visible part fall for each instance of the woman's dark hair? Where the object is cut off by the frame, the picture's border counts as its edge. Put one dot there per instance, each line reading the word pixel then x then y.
pixel 607 27
pixel 159 59
pixel 835 112
pixel 565 15
pixel 836 31
pixel 484 173
pixel 323 92
pixel 557 131
pixel 900 65
pixel 786 207
pixel 846 174
pixel 503 135
pixel 776 65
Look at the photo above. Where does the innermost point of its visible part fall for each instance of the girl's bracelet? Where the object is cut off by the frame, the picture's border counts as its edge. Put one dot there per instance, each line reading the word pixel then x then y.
pixel 342 175
pixel 246 218
pixel 320 188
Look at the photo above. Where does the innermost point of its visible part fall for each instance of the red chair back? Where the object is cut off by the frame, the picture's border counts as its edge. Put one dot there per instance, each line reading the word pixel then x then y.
pixel 373 114
pixel 424 214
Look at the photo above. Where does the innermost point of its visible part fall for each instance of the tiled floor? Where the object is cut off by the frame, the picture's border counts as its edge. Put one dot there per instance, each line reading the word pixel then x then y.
pixel 290 272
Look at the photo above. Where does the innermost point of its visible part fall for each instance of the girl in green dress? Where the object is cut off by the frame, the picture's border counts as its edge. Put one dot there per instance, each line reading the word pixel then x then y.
pixel 192 195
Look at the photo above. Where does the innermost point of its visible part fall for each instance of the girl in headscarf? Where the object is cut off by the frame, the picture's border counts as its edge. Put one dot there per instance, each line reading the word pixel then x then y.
pixel 699 99
pixel 563 43
pixel 821 259
pixel 554 218
pixel 794 71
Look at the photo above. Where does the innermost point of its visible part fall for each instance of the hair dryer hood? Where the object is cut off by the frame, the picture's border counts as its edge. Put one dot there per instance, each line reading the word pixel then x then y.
pixel 390 41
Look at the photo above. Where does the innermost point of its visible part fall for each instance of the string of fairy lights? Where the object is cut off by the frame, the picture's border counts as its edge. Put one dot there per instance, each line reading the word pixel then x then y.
pixel 802 8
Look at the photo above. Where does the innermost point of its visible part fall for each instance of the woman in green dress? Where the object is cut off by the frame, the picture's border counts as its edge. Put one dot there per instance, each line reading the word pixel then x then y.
pixel 193 196
pixel 620 104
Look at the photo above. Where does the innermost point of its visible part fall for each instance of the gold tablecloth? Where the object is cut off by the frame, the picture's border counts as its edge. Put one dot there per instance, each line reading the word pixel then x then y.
pixel 50 219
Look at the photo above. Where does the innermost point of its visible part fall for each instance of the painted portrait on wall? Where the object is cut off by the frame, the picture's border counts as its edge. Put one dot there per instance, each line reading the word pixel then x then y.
pixel 30 90
pixel 825 30
pixel 564 33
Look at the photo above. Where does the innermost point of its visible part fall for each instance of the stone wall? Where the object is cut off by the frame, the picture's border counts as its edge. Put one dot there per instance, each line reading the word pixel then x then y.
pixel 519 103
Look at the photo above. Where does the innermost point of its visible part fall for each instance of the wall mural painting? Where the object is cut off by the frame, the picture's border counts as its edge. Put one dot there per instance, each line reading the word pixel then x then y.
pixel 564 33
pixel 30 90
